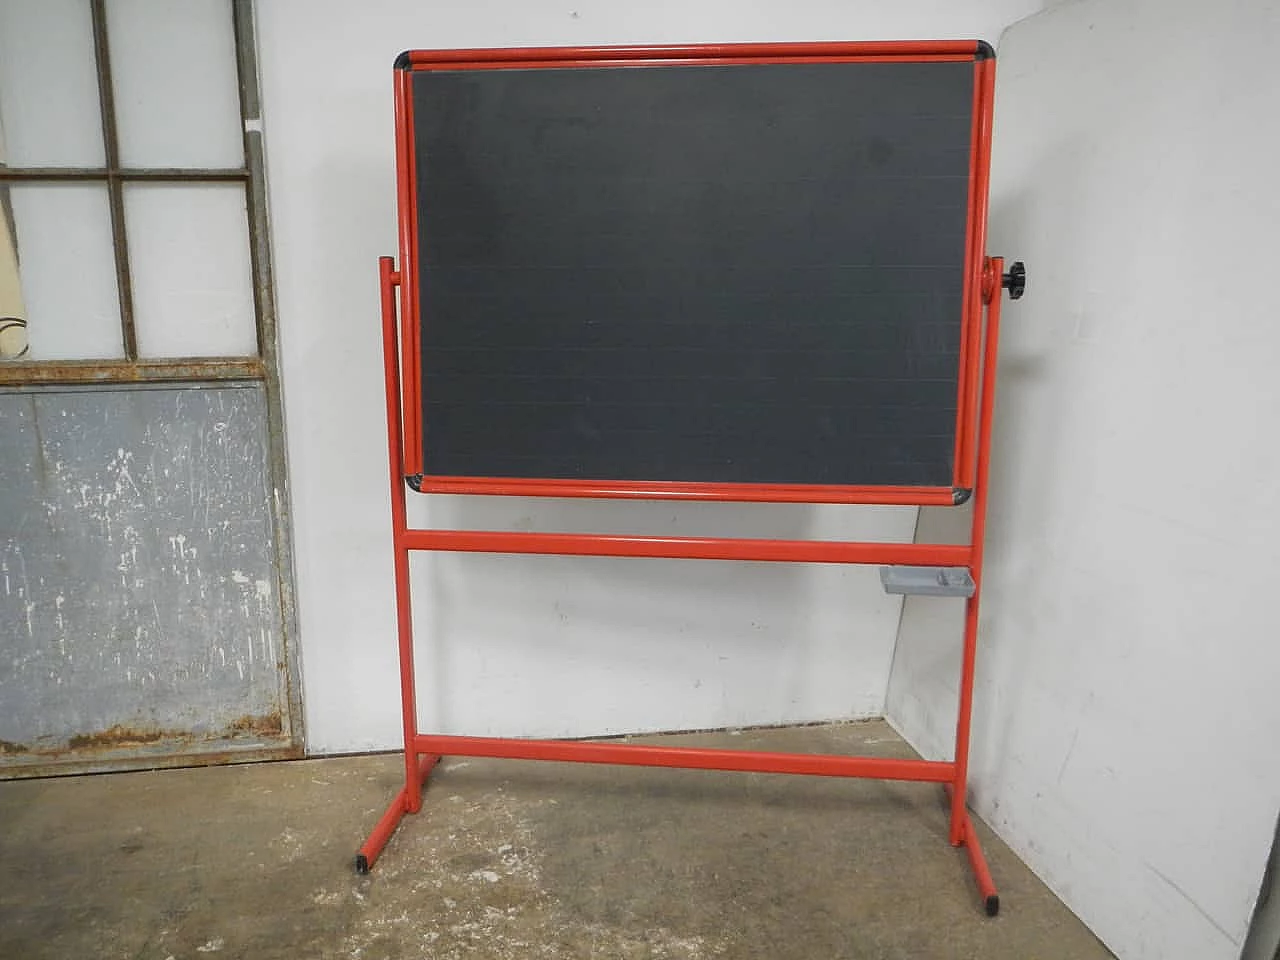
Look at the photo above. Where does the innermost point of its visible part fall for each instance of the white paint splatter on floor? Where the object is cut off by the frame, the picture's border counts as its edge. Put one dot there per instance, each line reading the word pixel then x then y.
pixel 471 897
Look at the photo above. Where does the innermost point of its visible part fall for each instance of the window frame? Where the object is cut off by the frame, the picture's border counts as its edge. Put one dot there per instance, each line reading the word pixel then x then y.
pixel 264 367
pixel 261 366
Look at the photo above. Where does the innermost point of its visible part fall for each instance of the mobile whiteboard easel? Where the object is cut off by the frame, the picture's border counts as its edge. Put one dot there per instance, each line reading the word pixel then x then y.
pixel 748 272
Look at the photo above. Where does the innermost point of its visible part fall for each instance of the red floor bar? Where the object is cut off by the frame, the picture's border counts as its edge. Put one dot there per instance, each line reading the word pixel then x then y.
pixel 981 873
pixel 977 860
pixel 688 758
pixel 387 823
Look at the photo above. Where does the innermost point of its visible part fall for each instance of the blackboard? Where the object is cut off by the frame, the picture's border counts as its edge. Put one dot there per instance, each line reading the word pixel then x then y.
pixel 720 274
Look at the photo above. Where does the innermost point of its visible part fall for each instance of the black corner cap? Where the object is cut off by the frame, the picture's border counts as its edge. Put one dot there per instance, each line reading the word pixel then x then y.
pixel 1015 280
pixel 362 864
pixel 985 51
pixel 402 61
pixel 992 904
pixel 415 481
pixel 960 495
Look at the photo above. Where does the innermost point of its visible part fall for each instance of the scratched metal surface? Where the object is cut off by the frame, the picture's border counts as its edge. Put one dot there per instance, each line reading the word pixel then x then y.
pixel 139 601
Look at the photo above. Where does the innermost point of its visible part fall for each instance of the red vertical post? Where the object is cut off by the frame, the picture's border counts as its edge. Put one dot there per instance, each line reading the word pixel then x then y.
pixel 970 315
pixel 389 280
pixel 980 172
pixel 992 293
pixel 407 203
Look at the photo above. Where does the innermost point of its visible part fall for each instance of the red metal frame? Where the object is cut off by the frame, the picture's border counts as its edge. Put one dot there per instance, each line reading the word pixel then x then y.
pixel 422 751
pixel 407 197
pixel 702 55
pixel 963 414
pixel 667 490
pixel 875 50
pixel 974 297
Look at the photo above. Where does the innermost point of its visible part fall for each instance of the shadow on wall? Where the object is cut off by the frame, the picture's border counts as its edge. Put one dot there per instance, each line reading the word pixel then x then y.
pixel 657 625
pixel 500 638
pixel 1263 942
pixel 1023 484
pixel 1026 491
pixel 623 611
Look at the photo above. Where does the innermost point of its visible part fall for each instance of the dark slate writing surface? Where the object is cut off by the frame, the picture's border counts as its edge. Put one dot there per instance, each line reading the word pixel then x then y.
pixel 725 274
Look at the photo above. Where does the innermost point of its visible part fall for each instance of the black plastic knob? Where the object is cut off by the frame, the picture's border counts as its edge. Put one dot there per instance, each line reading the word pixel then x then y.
pixel 1015 281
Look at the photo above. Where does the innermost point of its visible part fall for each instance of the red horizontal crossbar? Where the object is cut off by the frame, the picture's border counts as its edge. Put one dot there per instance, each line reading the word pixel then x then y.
pixel 689 758
pixel 667 490
pixel 904 49
pixel 686 548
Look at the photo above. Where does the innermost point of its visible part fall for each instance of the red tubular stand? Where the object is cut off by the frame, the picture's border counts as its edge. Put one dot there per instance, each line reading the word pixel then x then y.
pixel 979 353
pixel 422 751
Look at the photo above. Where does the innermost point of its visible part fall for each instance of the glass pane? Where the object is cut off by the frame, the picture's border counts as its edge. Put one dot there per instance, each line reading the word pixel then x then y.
pixel 66 271
pixel 49 114
pixel 173 67
pixel 192 283
pixel 13 314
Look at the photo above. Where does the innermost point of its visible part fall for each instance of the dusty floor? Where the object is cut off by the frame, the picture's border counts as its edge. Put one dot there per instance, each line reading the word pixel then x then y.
pixel 511 859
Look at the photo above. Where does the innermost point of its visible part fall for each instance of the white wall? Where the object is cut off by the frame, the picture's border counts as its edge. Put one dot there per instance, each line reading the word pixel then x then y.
pixel 550 646
pixel 1125 729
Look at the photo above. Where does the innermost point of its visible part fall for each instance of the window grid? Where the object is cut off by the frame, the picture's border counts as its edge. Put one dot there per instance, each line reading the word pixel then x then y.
pixel 250 173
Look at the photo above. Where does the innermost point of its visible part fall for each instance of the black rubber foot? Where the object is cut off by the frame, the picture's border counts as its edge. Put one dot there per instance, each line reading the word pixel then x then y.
pixel 362 867
pixel 993 905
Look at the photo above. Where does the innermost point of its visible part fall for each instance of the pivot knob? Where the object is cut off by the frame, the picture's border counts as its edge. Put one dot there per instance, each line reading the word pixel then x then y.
pixel 1015 281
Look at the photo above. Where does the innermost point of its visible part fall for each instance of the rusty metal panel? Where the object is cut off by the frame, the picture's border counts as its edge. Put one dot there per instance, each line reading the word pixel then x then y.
pixel 140 607
pixel 131 371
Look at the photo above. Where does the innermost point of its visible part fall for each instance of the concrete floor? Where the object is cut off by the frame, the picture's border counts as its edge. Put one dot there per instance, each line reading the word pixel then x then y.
pixel 512 859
